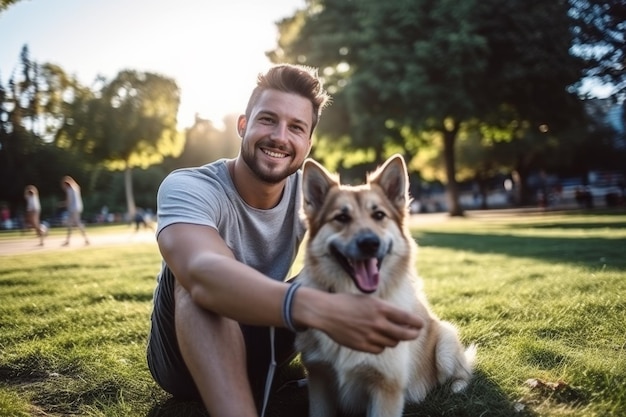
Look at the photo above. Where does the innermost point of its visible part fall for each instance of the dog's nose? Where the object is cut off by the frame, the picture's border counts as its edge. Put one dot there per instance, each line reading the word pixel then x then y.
pixel 368 244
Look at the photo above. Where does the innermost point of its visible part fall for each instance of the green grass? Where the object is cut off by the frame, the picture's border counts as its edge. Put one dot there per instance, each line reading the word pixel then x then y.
pixel 543 296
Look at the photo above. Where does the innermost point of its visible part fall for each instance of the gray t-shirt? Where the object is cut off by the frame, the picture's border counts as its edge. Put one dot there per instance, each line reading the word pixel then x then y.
pixel 266 240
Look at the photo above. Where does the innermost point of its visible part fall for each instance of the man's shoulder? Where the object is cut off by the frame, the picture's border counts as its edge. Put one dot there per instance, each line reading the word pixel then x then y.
pixel 215 168
pixel 214 172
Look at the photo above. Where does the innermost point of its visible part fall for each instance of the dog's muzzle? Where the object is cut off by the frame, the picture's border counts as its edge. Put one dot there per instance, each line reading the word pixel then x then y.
pixel 361 258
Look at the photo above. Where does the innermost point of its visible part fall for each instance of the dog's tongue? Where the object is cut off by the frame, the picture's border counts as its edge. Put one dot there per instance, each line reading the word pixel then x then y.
pixel 366 274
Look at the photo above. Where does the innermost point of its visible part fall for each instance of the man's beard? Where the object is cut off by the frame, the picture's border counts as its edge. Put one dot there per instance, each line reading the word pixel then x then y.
pixel 272 177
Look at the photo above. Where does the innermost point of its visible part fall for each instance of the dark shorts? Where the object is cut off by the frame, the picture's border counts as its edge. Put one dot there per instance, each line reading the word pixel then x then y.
pixel 168 367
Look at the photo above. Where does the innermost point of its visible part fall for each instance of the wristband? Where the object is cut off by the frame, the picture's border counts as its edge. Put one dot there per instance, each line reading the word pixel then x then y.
pixel 287 307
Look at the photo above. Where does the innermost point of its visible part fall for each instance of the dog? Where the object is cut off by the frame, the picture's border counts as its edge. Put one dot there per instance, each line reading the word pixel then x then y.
pixel 359 243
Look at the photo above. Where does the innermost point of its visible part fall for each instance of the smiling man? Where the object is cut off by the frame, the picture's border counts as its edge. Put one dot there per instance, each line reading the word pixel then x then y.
pixel 228 233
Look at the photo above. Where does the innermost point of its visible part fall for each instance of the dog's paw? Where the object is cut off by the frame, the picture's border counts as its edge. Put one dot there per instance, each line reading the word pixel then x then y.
pixel 458 385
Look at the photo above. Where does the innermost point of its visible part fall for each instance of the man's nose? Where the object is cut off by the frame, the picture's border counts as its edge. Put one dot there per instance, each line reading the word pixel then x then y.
pixel 280 131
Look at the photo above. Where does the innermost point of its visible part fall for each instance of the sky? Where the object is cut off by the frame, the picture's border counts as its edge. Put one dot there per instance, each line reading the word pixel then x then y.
pixel 213 49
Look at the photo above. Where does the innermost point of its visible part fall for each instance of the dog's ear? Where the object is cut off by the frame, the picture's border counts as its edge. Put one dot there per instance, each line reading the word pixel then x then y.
pixel 393 178
pixel 316 181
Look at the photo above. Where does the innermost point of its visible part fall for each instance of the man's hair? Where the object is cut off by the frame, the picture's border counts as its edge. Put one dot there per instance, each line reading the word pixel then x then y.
pixel 297 79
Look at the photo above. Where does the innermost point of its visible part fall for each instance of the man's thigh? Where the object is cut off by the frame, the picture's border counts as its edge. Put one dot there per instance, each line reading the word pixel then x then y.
pixel 168 366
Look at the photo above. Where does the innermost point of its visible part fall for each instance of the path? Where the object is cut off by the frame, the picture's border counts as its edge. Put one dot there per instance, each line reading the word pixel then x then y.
pixel 29 243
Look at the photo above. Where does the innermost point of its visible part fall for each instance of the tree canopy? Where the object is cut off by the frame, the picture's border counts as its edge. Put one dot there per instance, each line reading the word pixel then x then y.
pixel 124 123
pixel 599 38
pixel 408 71
pixel 131 123
pixel 465 90
pixel 135 122
pixel 4 4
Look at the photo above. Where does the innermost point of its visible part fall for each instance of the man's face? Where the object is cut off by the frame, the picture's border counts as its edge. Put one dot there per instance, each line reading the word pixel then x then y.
pixel 276 137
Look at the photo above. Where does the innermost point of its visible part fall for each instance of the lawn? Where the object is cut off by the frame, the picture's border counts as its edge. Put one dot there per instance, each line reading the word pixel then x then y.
pixel 543 296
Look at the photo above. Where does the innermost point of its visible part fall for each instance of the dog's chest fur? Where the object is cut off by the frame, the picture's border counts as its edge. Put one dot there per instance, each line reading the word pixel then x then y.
pixel 360 372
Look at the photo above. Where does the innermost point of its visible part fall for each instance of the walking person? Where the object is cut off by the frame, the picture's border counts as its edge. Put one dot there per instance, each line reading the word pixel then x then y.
pixel 74 206
pixel 141 220
pixel 33 212
pixel 223 314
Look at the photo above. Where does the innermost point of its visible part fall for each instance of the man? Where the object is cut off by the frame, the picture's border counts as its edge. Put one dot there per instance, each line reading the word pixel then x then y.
pixel 228 233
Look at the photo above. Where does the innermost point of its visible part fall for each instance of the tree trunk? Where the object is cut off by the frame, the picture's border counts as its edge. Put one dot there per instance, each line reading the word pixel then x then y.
pixel 520 179
pixel 449 139
pixel 130 196
pixel 481 190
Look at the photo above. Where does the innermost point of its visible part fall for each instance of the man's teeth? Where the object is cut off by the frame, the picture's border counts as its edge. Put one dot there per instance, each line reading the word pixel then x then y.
pixel 274 154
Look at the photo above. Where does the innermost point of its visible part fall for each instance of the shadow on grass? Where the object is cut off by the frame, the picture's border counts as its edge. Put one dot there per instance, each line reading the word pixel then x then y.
pixel 288 399
pixel 482 398
pixel 584 226
pixel 591 252
pixel 288 402
pixel 178 408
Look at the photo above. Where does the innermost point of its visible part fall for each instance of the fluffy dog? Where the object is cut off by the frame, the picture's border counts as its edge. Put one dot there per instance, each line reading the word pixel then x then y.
pixel 359 243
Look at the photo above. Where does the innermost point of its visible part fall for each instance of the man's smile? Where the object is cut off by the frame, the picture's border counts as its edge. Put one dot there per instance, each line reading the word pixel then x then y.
pixel 274 154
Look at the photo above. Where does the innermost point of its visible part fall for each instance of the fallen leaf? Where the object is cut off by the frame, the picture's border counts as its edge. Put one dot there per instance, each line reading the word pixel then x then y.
pixel 553 386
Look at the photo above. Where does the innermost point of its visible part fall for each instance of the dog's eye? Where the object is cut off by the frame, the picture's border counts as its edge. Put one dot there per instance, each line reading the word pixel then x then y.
pixel 343 218
pixel 378 215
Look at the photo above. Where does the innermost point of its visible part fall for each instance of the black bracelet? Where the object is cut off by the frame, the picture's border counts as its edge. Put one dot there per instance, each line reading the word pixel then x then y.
pixel 287 307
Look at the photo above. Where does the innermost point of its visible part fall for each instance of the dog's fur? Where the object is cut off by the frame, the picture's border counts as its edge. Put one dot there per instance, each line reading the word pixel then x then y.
pixel 359 243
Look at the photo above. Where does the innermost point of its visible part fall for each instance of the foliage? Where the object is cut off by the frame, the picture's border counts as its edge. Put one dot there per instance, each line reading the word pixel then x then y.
pixel 4 4
pixel 205 143
pixel 599 27
pixel 542 295
pixel 51 126
pixel 406 72
pixel 402 73
pixel 31 105
pixel 130 123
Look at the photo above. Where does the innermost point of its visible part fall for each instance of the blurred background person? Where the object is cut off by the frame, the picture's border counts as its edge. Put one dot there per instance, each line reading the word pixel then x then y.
pixel 5 217
pixel 74 206
pixel 142 219
pixel 33 213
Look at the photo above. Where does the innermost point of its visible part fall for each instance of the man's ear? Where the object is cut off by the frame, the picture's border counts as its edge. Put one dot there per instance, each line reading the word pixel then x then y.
pixel 241 125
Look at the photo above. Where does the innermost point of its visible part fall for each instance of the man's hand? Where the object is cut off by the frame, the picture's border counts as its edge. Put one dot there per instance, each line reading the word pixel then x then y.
pixel 359 322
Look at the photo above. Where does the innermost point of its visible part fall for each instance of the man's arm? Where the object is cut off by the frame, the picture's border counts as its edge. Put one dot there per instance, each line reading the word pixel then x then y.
pixel 216 281
pixel 205 266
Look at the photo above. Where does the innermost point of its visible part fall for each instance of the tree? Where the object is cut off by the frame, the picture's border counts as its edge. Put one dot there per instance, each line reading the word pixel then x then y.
pixel 599 28
pixel 130 123
pixel 530 79
pixel 205 143
pixel 4 4
pixel 29 107
pixel 414 70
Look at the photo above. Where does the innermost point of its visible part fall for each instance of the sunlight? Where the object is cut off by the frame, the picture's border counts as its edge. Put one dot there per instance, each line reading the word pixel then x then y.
pixel 213 50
